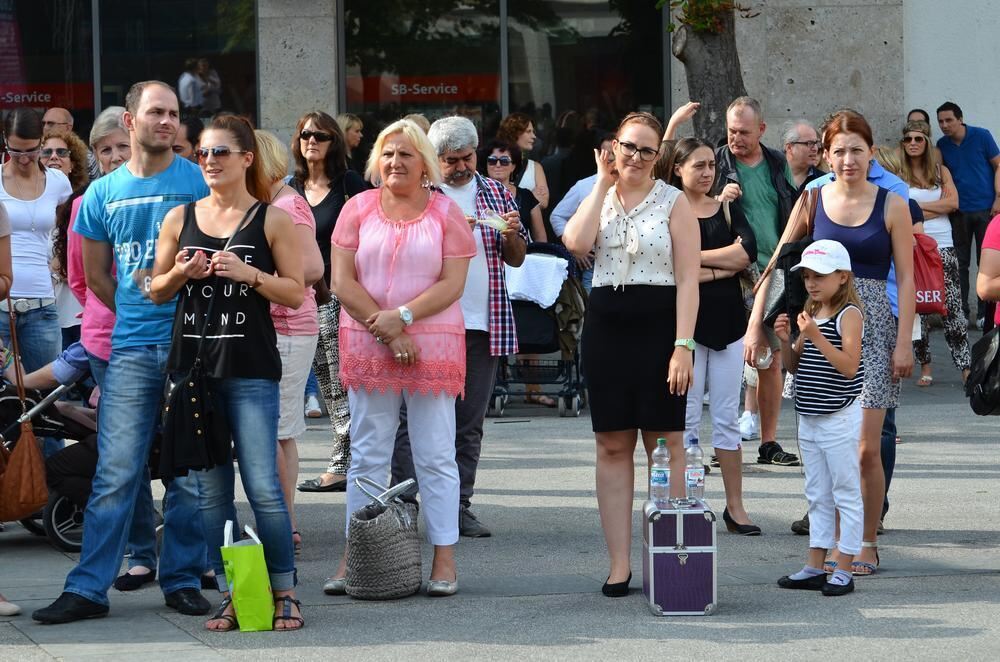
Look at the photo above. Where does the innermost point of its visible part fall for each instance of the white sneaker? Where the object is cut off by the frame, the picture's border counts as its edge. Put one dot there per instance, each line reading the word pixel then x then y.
pixel 312 407
pixel 749 426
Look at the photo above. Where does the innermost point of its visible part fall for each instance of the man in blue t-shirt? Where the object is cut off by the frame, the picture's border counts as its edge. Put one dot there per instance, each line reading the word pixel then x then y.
pixel 973 158
pixel 120 221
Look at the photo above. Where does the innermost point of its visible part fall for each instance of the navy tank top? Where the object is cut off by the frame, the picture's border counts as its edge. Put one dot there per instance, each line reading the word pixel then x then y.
pixel 868 244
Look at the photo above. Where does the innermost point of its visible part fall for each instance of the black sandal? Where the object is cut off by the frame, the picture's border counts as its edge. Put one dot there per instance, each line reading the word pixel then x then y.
pixel 221 615
pixel 286 613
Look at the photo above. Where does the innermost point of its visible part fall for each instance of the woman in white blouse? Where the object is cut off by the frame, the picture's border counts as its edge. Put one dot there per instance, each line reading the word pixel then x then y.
pixel 638 334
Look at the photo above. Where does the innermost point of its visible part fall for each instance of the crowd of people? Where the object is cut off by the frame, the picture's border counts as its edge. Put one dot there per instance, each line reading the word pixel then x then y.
pixel 380 289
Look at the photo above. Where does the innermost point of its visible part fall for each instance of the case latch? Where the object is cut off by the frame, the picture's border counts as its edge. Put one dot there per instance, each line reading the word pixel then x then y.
pixel 683 558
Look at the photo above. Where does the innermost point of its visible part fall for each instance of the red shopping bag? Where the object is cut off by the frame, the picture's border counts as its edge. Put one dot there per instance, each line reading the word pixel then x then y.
pixel 928 276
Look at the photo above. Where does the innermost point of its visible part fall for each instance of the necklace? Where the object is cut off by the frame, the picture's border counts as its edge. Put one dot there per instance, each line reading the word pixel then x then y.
pixel 27 203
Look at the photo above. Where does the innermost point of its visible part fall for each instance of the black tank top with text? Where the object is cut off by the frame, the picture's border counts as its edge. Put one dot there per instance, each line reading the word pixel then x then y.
pixel 240 339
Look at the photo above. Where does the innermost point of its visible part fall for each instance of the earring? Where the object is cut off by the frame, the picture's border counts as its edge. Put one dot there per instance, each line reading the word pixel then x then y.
pixel 425 181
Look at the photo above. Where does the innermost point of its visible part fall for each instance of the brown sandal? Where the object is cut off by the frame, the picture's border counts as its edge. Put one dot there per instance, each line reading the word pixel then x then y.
pixel 286 613
pixel 221 615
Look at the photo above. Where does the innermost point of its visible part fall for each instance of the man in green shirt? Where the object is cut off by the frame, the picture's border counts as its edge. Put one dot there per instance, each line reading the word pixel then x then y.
pixel 759 178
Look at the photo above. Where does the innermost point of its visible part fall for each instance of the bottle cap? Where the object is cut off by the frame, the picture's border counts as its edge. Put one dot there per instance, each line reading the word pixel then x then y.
pixel 661 441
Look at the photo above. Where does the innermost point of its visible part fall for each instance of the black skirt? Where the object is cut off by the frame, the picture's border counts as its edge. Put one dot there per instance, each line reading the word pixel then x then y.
pixel 628 339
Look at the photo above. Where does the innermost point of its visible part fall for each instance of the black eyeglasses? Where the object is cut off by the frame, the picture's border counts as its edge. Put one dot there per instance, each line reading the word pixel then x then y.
pixel 61 152
pixel 808 143
pixel 498 160
pixel 645 153
pixel 219 152
pixel 320 136
pixel 913 139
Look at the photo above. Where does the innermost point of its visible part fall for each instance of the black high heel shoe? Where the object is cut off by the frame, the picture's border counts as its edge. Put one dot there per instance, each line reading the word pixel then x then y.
pixel 741 529
pixel 619 590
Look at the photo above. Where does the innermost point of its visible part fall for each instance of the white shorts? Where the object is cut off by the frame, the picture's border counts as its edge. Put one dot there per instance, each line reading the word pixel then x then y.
pixel 296 354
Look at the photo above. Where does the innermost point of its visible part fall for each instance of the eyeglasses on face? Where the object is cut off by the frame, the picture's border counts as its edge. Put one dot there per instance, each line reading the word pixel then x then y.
pixel 219 152
pixel 61 152
pixel 810 144
pixel 645 153
pixel 320 136
pixel 914 139
pixel 498 160
pixel 15 153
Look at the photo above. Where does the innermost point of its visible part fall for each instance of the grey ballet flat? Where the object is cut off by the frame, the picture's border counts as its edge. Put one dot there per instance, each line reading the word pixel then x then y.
pixel 439 588
pixel 335 586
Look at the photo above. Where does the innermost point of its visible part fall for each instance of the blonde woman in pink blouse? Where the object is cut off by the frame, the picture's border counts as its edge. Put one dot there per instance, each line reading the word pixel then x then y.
pixel 400 255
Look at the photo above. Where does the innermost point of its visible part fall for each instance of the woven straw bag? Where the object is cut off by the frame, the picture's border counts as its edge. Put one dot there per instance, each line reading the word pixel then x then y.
pixel 383 554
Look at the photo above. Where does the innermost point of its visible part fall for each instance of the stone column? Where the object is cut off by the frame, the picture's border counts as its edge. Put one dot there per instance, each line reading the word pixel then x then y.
pixel 296 61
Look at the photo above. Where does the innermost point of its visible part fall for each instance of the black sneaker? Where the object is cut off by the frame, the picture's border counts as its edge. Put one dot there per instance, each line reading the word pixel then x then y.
pixel 70 607
pixel 770 452
pixel 801 527
pixel 470 526
pixel 715 461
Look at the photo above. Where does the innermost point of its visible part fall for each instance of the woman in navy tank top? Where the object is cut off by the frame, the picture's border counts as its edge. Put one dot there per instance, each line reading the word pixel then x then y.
pixel 874 225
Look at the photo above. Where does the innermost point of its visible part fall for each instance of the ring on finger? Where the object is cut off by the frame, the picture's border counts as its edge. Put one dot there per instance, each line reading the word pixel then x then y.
pixel 399 356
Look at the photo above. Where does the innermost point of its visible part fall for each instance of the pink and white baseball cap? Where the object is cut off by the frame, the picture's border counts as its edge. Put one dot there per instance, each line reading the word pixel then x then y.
pixel 824 257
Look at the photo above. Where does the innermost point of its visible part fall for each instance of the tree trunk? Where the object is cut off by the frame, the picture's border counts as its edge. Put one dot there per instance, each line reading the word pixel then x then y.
pixel 714 75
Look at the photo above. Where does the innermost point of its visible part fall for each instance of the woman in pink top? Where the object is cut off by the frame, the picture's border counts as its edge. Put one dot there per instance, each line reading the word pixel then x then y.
pixel 400 256
pixel 297 329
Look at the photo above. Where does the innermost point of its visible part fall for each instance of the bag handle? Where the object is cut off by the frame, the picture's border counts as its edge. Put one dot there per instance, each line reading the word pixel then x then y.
pixel 809 210
pixel 211 302
pixel 383 495
pixel 16 350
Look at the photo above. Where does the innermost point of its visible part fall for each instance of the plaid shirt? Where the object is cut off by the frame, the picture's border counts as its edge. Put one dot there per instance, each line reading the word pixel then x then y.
pixel 491 195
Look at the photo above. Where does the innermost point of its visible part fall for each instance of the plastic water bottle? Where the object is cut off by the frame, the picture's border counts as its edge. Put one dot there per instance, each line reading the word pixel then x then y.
pixel 694 472
pixel 659 475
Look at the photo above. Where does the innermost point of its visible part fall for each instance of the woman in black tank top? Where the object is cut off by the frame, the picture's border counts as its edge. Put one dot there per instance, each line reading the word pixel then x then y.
pixel 244 255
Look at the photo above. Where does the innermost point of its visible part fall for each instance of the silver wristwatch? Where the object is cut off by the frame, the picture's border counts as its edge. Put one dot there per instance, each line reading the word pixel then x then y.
pixel 406 315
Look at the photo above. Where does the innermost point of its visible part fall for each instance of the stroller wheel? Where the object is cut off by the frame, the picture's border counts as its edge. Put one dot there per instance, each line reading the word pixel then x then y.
pixel 569 405
pixel 34 524
pixel 63 521
pixel 498 405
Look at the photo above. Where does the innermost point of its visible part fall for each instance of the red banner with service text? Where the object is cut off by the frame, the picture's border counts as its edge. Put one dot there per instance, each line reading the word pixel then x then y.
pixel 455 88
pixel 74 96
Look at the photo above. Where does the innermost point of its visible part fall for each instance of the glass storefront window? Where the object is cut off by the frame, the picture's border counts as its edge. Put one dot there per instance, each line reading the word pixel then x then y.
pixel 435 57
pixel 154 39
pixel 46 57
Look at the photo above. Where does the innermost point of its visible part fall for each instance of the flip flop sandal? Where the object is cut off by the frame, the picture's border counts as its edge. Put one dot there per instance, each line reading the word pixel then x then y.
pixel 925 381
pixel 221 615
pixel 286 602
pixel 862 568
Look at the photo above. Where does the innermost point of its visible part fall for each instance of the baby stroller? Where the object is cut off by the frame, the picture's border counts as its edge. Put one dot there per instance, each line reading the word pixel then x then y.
pixel 548 302
pixel 62 518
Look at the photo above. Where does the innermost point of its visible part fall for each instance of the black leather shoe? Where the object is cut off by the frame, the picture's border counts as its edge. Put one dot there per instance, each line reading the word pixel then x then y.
pixel 70 607
pixel 838 589
pixel 817 583
pixel 619 590
pixel 128 582
pixel 188 601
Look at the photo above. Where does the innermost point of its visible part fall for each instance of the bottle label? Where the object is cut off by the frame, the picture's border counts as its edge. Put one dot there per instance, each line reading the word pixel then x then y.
pixel 659 477
pixel 696 477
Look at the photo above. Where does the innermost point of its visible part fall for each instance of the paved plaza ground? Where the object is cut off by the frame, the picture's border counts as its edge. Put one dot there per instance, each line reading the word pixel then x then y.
pixel 532 591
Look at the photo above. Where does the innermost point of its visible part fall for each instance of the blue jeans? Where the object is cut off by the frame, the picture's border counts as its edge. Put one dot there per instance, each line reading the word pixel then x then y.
pixel 888 453
pixel 141 547
pixel 312 384
pixel 40 341
pixel 132 392
pixel 252 408
pixel 587 277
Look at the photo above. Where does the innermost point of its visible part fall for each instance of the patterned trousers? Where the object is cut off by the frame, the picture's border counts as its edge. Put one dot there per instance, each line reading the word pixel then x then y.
pixel 956 330
pixel 326 365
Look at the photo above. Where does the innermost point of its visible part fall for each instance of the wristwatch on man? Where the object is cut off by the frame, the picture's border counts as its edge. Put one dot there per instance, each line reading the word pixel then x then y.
pixel 686 343
pixel 406 315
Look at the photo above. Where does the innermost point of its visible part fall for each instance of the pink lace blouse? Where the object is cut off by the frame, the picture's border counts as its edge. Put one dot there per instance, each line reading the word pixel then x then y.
pixel 395 262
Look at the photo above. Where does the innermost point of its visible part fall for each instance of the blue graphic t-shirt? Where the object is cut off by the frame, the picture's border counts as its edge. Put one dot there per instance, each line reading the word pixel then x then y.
pixel 127 211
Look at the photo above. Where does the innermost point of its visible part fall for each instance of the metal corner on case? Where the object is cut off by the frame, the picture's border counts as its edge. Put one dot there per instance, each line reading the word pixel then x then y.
pixel 655 608
pixel 710 609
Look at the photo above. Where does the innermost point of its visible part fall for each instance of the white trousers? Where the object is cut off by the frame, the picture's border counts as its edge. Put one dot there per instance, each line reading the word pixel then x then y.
pixel 724 371
pixel 431 422
pixel 829 447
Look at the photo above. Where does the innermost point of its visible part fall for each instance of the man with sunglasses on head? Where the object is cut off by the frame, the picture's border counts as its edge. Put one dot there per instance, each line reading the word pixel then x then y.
pixel 56 118
pixel 489 320
pixel 120 220
pixel 759 177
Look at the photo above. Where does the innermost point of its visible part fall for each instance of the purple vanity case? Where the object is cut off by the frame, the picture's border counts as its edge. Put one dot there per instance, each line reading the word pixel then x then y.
pixel 678 559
